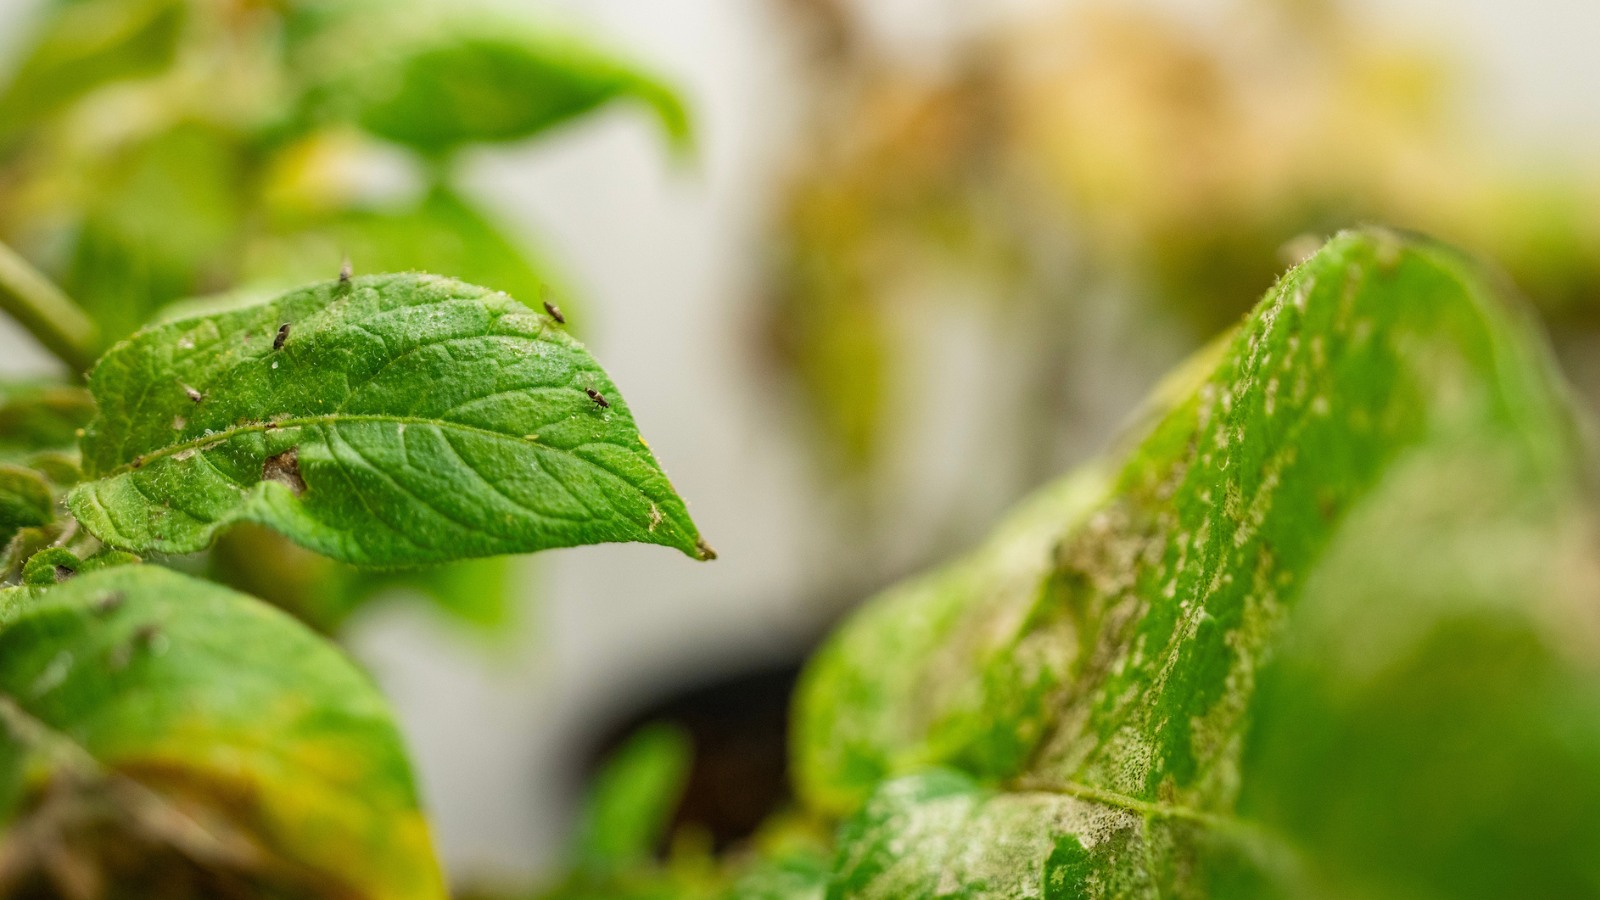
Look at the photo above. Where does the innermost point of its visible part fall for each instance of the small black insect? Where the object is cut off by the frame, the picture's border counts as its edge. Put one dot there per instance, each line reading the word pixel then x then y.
pixel 282 338
pixel 598 398
pixel 193 394
pixel 555 312
pixel 345 271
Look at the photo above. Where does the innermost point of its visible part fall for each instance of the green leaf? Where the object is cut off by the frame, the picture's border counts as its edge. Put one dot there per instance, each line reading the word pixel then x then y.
pixel 438 85
pixel 406 420
pixel 631 803
pixel 54 565
pixel 39 423
pixel 37 417
pixel 326 594
pixel 25 499
pixel 175 738
pixel 1327 629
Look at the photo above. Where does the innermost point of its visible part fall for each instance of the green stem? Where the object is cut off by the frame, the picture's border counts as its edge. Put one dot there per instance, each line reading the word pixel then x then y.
pixel 47 313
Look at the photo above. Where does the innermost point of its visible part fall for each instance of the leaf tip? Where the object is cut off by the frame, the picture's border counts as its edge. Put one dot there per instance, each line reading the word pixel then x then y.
pixel 703 551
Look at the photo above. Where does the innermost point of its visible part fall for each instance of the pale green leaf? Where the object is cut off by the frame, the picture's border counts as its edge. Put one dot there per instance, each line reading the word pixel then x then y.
pixel 405 420
pixel 177 739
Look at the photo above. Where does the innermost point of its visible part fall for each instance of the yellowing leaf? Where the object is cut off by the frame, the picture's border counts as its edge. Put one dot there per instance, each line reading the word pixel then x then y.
pixel 168 737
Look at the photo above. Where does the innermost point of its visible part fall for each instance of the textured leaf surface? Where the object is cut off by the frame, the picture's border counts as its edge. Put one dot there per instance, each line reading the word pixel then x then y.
pixel 405 420
pixel 185 740
pixel 1330 628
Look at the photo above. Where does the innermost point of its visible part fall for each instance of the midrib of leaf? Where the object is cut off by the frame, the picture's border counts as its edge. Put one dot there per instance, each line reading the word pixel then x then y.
pixel 209 441
pixel 1147 809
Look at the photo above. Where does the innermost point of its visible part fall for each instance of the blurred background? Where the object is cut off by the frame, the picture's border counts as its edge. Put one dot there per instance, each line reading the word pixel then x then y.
pixel 867 270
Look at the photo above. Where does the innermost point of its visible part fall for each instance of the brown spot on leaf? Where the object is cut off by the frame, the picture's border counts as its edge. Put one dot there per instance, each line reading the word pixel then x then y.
pixel 284 468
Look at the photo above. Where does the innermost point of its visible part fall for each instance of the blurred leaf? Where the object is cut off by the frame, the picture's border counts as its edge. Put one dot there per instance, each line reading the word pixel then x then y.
pixel 406 420
pixel 39 423
pixel 436 86
pixel 1378 477
pixel 163 224
pixel 325 594
pixel 25 500
pixel 39 416
pixel 443 234
pixel 631 802
pixel 786 876
pixel 54 565
pixel 168 737
pixel 83 45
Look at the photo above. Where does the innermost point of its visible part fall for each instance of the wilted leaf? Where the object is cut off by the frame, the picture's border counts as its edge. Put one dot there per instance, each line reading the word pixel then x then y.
pixel 1379 482
pixel 405 420
pixel 169 737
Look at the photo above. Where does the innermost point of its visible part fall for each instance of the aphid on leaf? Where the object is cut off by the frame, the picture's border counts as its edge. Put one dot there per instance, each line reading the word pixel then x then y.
pixel 346 269
pixel 282 338
pixel 598 398
pixel 194 395
pixel 550 305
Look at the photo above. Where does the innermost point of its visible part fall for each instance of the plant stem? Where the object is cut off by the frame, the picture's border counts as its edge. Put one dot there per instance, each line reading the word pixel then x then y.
pixel 47 313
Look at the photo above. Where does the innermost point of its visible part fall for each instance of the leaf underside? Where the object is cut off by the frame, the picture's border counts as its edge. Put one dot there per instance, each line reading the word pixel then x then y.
pixel 402 420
